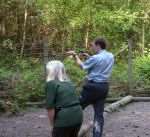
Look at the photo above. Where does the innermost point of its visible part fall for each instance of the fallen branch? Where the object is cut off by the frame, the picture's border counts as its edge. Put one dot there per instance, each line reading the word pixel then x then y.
pixel 121 50
pixel 141 99
pixel 134 99
pixel 141 90
pixel 114 106
pixel 85 129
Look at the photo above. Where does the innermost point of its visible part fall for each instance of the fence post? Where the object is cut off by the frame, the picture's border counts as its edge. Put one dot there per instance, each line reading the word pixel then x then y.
pixel 130 74
pixel 45 53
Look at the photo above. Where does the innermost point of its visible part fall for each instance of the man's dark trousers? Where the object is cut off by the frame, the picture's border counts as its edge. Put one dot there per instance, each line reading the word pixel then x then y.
pixel 95 93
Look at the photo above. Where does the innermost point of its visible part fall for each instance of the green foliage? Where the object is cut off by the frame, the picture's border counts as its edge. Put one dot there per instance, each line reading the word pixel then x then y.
pixel 75 73
pixel 28 84
pixel 5 73
pixel 142 68
pixel 30 81
pixel 72 20
pixel 147 51
pixel 31 85
pixel 119 72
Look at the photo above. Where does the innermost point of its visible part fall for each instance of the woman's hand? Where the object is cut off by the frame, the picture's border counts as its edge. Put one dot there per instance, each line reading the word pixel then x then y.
pixel 51 116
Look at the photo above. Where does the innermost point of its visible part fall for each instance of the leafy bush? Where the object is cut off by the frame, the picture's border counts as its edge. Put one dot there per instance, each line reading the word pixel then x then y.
pixel 119 72
pixel 31 85
pixel 142 69
pixel 29 81
pixel 75 73
pixel 5 73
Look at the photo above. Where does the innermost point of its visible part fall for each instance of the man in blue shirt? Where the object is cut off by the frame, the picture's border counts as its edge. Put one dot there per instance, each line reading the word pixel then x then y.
pixel 99 68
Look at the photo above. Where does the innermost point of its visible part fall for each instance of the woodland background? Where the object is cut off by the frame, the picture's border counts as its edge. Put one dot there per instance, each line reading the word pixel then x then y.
pixel 33 31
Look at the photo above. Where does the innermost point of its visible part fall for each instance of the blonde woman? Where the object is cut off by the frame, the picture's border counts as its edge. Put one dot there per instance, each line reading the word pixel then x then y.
pixel 64 111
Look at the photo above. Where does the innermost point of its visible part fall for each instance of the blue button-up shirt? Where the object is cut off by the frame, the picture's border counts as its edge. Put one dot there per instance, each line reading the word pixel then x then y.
pixel 99 66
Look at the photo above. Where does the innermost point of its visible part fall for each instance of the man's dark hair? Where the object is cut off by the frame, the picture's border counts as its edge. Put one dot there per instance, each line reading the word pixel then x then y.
pixel 100 42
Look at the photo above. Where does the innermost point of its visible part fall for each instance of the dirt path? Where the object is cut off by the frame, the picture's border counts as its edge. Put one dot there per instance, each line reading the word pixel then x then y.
pixel 131 121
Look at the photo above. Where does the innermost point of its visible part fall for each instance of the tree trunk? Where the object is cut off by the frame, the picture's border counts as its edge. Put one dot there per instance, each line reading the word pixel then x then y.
pixel 45 53
pixel 3 29
pixel 87 36
pixel 128 2
pixel 143 38
pixel 63 43
pixel 24 27
pixel 114 106
pixel 141 99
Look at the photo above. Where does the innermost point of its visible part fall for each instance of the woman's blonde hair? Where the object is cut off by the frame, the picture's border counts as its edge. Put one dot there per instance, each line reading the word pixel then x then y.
pixel 56 71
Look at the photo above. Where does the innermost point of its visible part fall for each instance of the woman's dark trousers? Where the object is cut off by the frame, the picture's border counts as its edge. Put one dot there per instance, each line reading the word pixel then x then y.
pixel 71 131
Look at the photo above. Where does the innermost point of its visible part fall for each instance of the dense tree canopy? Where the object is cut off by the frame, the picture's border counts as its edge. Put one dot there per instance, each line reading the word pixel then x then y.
pixel 72 23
